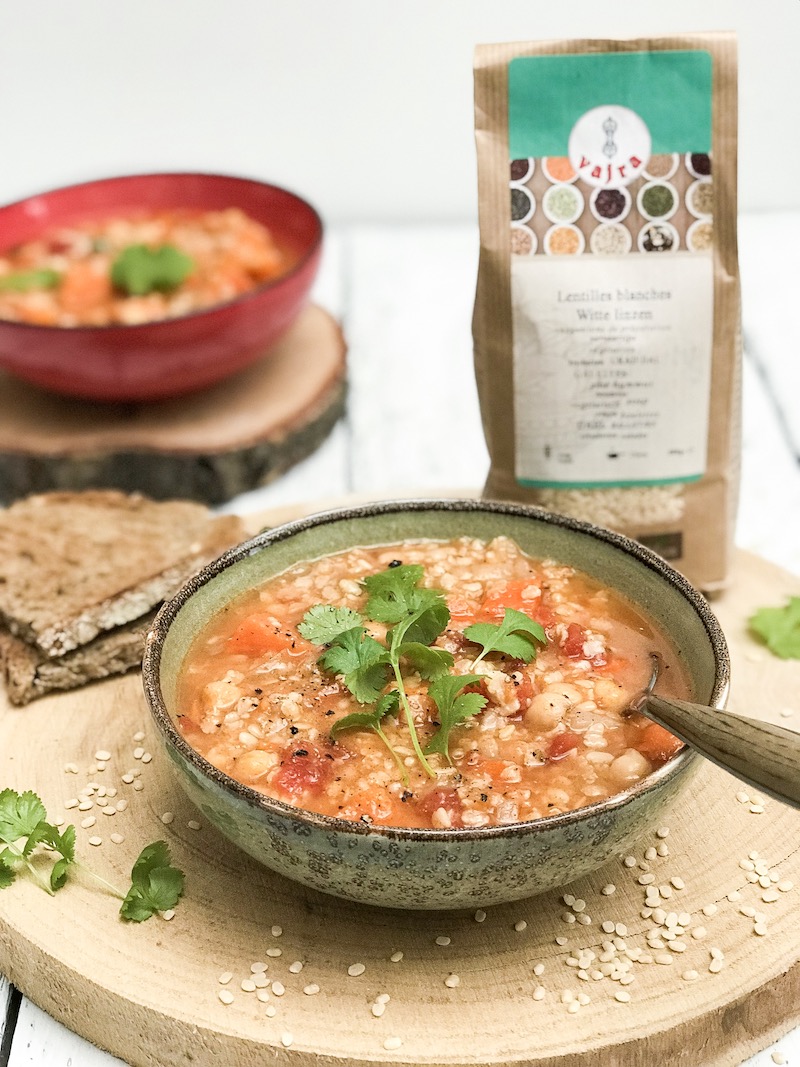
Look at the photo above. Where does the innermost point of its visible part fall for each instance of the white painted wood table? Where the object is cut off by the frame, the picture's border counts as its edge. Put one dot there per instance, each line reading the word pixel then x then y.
pixel 404 296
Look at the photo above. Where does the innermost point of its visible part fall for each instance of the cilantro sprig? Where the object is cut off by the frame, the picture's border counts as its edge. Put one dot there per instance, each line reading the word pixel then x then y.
pixel 779 628
pixel 415 615
pixel 454 706
pixel 156 885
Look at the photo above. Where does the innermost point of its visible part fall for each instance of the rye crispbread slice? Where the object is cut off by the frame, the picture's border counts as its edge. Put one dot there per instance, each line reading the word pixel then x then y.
pixel 29 674
pixel 73 565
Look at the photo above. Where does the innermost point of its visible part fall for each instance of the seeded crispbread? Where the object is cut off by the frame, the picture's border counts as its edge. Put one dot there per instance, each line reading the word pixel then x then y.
pixel 29 674
pixel 77 564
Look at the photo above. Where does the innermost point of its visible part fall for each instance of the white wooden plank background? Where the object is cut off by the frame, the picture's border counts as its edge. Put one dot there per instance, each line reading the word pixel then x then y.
pixel 404 295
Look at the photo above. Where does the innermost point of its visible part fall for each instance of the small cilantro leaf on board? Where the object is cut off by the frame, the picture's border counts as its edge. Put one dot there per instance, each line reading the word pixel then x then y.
pixel 23 826
pixel 360 660
pixel 7 874
pixel 516 635
pixel 324 623
pixel 779 628
pixel 453 706
pixel 20 814
pixel 139 270
pixel 156 885
pixel 24 281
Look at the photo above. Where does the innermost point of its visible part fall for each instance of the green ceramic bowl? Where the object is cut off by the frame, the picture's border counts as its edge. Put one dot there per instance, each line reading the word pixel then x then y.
pixel 412 868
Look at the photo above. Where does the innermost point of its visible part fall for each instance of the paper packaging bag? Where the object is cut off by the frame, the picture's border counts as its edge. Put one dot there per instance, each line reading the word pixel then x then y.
pixel 607 315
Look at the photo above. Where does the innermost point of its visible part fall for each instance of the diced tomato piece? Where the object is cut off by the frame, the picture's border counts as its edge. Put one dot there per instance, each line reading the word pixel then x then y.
pixel 562 744
pixel 306 769
pixel 259 635
pixel 657 744
pixel 523 690
pixel 442 798
pixel 572 646
pixel 511 596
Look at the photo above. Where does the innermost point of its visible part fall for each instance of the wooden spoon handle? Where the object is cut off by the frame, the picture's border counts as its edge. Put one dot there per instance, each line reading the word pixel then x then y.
pixel 763 755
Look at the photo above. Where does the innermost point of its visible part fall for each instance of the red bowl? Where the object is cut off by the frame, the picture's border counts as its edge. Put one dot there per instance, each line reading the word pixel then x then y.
pixel 173 356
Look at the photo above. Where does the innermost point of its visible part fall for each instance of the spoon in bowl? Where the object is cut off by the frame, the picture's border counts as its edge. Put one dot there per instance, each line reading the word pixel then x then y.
pixel 759 753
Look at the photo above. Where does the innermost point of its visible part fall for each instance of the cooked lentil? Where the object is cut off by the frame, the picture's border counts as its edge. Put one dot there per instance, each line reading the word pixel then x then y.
pixel 252 669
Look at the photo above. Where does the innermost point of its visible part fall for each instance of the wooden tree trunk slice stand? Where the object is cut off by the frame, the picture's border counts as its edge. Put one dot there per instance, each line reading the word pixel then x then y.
pixel 208 446
pixel 149 993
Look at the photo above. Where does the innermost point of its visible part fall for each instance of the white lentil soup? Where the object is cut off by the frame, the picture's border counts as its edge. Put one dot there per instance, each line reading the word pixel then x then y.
pixel 429 684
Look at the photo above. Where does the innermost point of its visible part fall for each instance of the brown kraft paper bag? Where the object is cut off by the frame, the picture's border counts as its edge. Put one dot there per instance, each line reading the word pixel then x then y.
pixel 607 314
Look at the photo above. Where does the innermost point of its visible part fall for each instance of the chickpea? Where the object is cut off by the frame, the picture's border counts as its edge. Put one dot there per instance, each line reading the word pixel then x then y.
pixel 546 710
pixel 610 696
pixel 629 767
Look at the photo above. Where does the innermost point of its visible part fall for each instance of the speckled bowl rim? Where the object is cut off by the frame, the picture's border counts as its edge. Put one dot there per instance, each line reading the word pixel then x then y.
pixel 253 799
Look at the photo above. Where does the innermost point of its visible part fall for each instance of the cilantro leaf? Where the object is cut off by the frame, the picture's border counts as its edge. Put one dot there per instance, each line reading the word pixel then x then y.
pixel 20 814
pixel 425 625
pixel 7 874
pixel 454 706
pixel 139 270
pixel 387 705
pixel 324 623
pixel 779 628
pixel 155 884
pixel 395 594
pixel 23 281
pixel 516 635
pixel 428 662
pixel 360 660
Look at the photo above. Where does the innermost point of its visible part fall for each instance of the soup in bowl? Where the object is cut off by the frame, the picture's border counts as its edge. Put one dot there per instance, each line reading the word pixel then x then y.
pixel 427 704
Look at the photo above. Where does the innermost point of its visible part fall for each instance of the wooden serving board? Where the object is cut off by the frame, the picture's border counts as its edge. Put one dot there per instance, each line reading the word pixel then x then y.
pixel 210 445
pixel 150 993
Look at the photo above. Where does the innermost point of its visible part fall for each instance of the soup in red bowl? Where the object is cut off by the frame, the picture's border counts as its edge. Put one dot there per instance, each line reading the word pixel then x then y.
pixel 150 286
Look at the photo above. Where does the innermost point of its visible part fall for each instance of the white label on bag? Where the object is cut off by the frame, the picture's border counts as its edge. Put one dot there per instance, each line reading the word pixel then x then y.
pixel 611 381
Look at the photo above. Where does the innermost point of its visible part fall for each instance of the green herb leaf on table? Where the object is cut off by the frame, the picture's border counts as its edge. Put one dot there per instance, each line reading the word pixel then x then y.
pixel 156 885
pixel 7 874
pixel 20 814
pixel 779 628
pixel 516 635
pixel 139 270
pixel 454 706
pixel 324 623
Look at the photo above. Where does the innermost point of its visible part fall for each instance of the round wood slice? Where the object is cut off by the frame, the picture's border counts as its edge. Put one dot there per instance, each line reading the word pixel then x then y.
pixel 207 446
pixel 150 993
